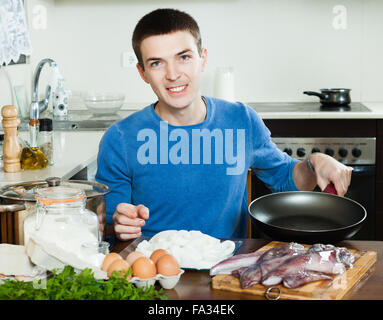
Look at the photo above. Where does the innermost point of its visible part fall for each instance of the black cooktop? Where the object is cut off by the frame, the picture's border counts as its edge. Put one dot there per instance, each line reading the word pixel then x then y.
pixel 305 107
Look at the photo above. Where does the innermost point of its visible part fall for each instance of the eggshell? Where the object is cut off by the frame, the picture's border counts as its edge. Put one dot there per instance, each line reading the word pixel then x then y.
pixel 118 265
pixel 109 259
pixel 167 265
pixel 156 254
pixel 133 256
pixel 144 268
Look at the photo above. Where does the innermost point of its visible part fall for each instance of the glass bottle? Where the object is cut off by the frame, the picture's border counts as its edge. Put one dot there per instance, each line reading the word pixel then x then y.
pixel 45 140
pixel 31 156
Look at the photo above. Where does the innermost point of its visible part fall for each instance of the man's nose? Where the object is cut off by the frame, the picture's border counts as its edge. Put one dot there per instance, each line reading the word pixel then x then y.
pixel 172 72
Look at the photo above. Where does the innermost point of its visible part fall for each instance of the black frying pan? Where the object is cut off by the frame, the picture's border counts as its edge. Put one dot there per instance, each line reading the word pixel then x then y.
pixel 307 216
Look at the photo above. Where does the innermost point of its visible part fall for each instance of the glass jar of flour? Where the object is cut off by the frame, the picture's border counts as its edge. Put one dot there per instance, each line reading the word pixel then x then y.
pixel 61 223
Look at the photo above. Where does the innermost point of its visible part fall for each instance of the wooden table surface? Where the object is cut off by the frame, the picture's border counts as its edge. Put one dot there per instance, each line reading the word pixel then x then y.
pixel 196 285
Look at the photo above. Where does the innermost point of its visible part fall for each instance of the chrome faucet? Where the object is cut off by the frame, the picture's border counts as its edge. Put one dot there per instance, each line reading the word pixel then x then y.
pixel 39 106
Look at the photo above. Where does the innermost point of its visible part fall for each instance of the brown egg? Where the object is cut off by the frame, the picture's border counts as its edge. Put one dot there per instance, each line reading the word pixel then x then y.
pixel 167 265
pixel 119 265
pixel 156 254
pixel 133 256
pixel 109 258
pixel 144 268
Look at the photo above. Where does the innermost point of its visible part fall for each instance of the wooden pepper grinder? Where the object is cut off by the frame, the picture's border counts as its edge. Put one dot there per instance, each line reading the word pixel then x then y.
pixel 11 148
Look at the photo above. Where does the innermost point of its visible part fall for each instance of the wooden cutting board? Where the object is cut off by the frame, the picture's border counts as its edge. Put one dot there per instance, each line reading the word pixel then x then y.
pixel 325 289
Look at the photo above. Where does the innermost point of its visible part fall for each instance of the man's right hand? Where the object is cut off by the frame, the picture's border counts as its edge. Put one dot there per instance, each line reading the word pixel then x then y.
pixel 128 220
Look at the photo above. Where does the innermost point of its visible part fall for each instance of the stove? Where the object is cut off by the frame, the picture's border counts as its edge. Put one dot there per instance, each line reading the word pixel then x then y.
pixel 349 151
pixel 305 107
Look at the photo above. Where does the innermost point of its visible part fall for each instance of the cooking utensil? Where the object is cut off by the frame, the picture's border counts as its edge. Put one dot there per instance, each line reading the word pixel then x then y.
pixel 307 216
pixel 332 97
pixel 18 201
pixel 103 103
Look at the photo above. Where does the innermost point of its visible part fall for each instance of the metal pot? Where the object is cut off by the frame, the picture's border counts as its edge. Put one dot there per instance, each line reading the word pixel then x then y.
pixel 332 97
pixel 307 216
pixel 18 201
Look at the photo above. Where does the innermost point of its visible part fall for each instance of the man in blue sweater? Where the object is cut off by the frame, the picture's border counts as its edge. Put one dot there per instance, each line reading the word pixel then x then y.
pixel 182 162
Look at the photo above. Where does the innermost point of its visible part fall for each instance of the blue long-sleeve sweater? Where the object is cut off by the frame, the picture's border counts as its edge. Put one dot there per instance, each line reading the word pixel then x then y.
pixel 191 177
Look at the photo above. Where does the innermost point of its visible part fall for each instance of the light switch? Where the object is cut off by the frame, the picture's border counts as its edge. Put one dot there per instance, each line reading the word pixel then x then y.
pixel 129 59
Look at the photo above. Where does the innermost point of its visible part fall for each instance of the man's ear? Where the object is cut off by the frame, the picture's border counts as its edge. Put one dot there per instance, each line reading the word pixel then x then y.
pixel 204 58
pixel 141 72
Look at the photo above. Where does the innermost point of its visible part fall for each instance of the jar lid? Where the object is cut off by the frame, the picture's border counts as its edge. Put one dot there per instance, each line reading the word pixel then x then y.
pixel 26 191
pixel 59 194
pixel 46 124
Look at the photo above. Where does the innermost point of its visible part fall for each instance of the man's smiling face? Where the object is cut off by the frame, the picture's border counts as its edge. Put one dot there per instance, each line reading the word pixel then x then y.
pixel 173 67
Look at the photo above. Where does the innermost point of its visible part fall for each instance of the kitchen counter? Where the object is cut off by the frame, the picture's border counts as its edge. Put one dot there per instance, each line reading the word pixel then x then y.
pixel 375 107
pixel 196 285
pixel 82 120
pixel 376 112
pixel 73 151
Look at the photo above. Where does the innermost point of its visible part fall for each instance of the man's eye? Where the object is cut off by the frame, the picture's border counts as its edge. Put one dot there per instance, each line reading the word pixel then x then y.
pixel 155 64
pixel 185 57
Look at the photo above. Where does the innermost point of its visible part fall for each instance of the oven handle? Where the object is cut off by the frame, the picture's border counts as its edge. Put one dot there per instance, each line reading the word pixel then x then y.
pixel 365 171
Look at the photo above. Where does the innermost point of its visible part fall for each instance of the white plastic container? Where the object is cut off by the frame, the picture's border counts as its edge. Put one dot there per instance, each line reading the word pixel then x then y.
pixel 224 83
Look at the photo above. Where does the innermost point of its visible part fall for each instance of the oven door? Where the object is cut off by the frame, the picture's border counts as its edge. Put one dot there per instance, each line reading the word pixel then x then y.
pixel 362 190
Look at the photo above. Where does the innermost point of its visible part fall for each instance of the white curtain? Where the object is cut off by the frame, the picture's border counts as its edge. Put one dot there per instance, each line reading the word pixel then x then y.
pixel 14 36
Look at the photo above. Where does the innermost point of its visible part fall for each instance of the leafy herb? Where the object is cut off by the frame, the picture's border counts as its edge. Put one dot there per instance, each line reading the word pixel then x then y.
pixel 68 285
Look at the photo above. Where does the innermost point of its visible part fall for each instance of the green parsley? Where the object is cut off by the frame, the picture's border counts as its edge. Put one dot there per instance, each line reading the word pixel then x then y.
pixel 68 285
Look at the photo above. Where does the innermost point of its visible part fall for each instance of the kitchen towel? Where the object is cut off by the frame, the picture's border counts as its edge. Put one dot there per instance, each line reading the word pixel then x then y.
pixel 14 36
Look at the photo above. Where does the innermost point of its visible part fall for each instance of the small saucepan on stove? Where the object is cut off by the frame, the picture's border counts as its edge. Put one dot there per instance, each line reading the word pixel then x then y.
pixel 332 97
pixel 307 216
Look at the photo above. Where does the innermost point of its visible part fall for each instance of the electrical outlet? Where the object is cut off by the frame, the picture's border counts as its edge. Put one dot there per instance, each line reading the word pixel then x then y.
pixel 129 59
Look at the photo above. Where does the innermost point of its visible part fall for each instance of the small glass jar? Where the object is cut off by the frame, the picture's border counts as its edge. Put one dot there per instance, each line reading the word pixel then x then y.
pixel 45 139
pixel 62 219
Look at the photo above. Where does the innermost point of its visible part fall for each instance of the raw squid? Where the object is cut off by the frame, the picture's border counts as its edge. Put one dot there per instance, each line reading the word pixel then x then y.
pixel 289 264
pixel 270 260
pixel 292 266
pixel 342 254
pixel 238 272
pixel 318 262
pixel 236 262
pixel 298 279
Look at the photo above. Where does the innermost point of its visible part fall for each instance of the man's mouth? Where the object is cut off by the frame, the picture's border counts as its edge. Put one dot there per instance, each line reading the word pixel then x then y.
pixel 177 89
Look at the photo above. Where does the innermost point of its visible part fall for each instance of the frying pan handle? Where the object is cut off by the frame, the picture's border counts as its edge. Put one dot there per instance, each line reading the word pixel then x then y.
pixel 330 189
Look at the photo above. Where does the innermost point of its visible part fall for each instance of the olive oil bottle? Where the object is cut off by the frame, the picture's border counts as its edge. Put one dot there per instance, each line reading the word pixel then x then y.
pixel 31 156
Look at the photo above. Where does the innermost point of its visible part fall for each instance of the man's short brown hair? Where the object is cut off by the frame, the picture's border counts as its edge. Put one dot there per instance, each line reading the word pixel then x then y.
pixel 163 21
